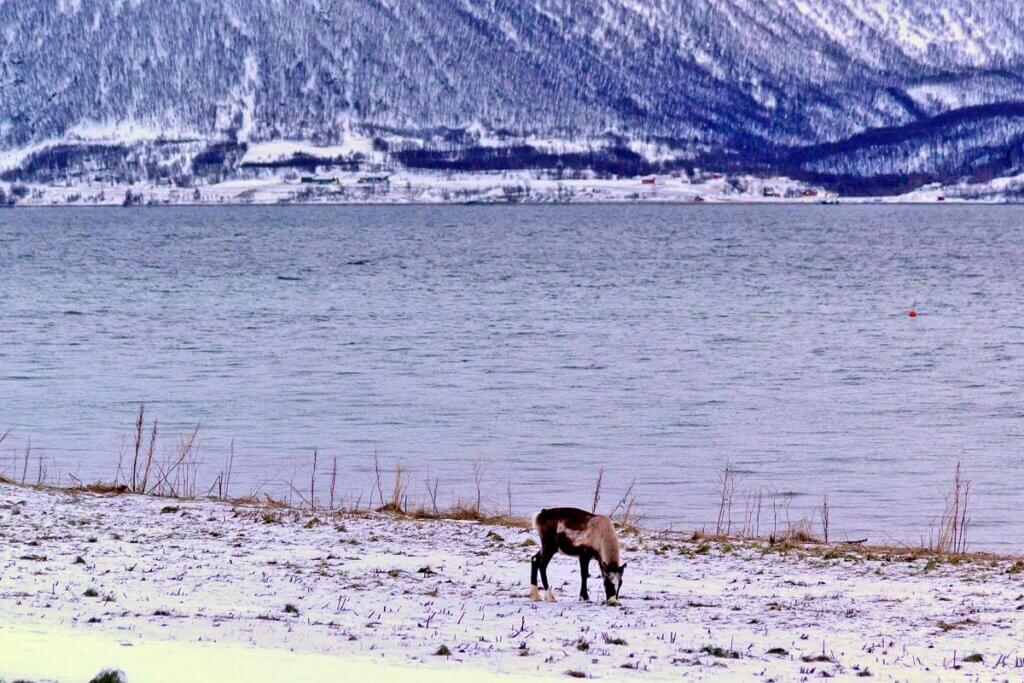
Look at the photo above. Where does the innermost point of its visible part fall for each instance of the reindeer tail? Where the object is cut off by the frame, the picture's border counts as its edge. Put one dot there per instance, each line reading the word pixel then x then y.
pixel 536 520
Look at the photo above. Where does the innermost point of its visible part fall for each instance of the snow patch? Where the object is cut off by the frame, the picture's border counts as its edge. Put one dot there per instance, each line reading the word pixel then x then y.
pixel 197 590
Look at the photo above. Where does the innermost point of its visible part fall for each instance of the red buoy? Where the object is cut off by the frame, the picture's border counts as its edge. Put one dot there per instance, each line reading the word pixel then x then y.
pixel 913 313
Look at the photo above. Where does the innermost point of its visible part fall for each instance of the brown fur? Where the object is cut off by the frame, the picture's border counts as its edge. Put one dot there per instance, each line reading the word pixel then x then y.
pixel 580 534
pixel 575 529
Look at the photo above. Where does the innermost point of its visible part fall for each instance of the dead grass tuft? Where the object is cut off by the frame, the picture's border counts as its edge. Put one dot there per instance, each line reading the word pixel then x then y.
pixel 104 489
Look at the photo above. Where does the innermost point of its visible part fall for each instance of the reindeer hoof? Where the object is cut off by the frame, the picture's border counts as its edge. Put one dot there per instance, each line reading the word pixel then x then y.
pixel 612 601
pixel 534 594
pixel 549 596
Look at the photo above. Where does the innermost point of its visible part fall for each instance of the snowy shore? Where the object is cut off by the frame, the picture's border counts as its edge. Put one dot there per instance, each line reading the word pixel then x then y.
pixel 187 590
pixel 407 187
pixel 511 187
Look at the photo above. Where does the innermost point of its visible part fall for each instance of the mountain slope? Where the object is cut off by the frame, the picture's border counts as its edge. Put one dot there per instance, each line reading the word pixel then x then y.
pixel 746 83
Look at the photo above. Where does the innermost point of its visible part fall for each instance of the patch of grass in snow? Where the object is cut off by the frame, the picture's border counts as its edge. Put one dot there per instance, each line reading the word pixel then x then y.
pixel 109 676
pixel 946 627
pixel 104 488
pixel 291 609
pixel 33 558
pixel 91 593
pixel 822 658
pixel 720 652
pixel 442 651
pixel 840 554
pixel 976 658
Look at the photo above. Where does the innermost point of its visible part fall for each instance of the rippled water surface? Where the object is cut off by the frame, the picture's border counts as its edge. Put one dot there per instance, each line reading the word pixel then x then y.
pixel 658 342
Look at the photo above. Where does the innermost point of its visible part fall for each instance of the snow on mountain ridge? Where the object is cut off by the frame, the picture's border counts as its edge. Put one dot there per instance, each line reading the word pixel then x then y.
pixel 737 76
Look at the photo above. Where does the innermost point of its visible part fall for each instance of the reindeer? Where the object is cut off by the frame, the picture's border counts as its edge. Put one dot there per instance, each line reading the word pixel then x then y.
pixel 580 534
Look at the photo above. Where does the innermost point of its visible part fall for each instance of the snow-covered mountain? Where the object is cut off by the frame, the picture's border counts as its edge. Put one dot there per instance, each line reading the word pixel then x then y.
pixel 862 95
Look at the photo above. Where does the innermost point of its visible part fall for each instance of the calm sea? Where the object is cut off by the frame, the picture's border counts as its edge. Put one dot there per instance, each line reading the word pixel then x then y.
pixel 546 342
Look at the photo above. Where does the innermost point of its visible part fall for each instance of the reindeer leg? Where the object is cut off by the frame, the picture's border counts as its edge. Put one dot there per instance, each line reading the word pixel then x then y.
pixel 534 566
pixel 548 553
pixel 584 574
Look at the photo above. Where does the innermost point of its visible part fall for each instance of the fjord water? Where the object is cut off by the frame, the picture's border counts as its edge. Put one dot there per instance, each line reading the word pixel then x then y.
pixel 657 342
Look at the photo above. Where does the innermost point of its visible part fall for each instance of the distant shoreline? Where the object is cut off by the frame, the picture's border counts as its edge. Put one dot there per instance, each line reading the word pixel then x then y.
pixel 859 202
pixel 479 189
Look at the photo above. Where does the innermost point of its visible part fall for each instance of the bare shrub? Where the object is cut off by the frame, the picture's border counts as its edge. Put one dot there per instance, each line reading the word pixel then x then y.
pixel 138 447
pixel 825 516
pixel 752 514
pixel 377 477
pixel 312 483
pixel 150 452
pixel 179 478
pixel 479 470
pixel 627 504
pixel 432 485
pixel 597 490
pixel 952 532
pixel 28 451
pixel 333 483
pixel 726 493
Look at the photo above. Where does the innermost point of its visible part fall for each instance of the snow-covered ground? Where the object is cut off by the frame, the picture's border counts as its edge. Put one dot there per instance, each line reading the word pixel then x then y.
pixel 433 188
pixel 507 187
pixel 196 590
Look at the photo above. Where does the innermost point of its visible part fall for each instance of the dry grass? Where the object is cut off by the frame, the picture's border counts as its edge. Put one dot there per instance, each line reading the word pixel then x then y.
pixel 399 501
pixel 801 531
pixel 475 515
pixel 177 476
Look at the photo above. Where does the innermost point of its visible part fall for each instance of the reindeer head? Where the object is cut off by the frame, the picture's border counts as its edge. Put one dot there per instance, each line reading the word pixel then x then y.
pixel 612 574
